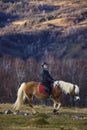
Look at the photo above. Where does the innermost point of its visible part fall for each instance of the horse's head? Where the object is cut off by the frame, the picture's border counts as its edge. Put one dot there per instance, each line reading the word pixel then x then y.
pixel 76 96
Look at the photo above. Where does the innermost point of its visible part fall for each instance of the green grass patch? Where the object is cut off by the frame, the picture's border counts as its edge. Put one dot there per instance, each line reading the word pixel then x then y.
pixel 44 120
pixel 37 122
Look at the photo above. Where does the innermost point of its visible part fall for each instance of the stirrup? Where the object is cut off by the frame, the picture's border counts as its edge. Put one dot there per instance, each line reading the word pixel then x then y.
pixel 50 96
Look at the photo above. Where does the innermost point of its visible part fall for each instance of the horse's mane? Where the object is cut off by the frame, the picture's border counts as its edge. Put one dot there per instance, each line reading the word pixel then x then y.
pixel 66 86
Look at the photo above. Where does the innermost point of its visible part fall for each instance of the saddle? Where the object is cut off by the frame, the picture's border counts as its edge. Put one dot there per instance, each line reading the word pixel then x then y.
pixel 43 89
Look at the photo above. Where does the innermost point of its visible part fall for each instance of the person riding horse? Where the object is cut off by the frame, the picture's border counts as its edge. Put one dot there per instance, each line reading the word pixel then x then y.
pixel 46 79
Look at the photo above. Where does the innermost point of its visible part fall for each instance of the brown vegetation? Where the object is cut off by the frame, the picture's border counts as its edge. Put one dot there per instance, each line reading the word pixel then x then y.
pixel 40 27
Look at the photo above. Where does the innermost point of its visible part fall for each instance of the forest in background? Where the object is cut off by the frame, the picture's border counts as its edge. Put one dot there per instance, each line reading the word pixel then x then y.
pixel 14 71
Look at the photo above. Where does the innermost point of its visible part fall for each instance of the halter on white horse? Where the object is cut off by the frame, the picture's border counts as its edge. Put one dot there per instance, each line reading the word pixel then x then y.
pixel 67 88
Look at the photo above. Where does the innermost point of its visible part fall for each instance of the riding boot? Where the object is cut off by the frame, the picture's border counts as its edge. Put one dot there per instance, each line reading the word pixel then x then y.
pixel 50 94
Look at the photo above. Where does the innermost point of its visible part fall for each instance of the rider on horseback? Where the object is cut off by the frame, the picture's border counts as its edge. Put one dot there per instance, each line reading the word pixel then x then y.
pixel 46 78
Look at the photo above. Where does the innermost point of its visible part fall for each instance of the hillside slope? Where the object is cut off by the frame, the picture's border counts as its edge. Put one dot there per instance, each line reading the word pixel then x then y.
pixel 38 28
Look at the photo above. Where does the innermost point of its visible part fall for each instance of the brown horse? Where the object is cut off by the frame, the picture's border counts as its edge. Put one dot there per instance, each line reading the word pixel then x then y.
pixel 27 90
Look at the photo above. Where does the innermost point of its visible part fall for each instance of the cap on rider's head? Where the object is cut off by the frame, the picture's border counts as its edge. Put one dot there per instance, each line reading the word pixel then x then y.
pixel 44 63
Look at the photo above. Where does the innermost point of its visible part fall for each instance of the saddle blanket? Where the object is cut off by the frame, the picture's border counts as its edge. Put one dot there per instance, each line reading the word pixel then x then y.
pixel 42 89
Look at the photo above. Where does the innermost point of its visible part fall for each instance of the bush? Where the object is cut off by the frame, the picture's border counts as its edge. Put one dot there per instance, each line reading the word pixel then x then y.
pixel 42 20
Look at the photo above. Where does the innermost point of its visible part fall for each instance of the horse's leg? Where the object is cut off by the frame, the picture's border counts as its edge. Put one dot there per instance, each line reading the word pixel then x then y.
pixel 57 105
pixel 31 104
pixel 55 110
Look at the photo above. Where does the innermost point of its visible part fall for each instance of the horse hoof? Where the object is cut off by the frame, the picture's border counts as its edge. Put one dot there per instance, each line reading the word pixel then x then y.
pixel 17 112
pixel 54 111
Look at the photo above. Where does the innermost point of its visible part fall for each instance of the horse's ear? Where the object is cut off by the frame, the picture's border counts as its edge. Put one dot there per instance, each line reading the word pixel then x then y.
pixel 76 85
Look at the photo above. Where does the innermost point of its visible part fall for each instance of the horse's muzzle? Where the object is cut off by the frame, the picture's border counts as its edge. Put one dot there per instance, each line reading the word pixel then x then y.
pixel 77 98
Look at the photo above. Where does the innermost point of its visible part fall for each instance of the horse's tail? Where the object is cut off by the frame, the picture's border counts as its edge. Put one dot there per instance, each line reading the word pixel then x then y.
pixel 21 96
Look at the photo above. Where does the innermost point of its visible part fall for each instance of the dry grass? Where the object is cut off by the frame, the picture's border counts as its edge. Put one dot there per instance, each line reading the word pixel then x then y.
pixel 20 22
pixel 41 108
pixel 58 22
pixel 64 16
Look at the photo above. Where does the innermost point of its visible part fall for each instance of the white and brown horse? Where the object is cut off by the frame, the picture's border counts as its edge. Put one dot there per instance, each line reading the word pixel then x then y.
pixel 28 89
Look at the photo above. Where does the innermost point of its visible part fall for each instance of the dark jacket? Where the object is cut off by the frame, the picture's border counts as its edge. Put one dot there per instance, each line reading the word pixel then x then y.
pixel 46 78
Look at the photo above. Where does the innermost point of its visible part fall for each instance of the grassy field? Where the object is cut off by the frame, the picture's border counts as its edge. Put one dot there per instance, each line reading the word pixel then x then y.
pixel 65 119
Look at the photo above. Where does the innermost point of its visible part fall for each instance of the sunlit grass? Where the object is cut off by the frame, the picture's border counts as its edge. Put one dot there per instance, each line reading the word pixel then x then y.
pixel 64 16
